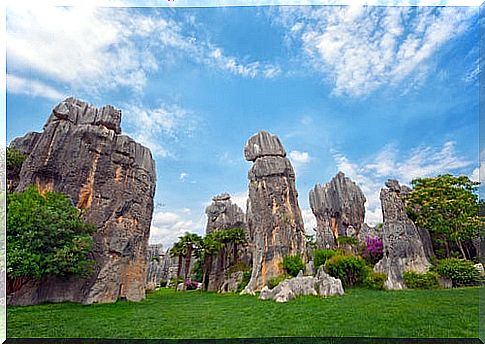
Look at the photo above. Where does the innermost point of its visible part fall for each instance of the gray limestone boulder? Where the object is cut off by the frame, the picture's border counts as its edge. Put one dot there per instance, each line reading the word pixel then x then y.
pixel 275 224
pixel 339 209
pixel 403 248
pixel 82 153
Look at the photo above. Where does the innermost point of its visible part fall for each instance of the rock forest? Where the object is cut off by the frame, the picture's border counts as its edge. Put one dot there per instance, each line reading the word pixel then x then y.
pixel 428 239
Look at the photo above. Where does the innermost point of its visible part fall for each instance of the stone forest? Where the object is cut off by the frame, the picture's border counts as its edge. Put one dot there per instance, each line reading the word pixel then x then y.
pixel 262 250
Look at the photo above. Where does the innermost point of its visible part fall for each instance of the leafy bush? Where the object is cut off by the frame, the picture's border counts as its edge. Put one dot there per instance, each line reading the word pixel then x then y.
pixel 238 266
pixel 274 281
pixel 244 282
pixel 46 236
pixel 375 280
pixel 321 256
pixel 293 265
pixel 197 272
pixel 191 285
pixel 373 250
pixel 350 269
pixel 347 240
pixel 415 280
pixel 460 271
pixel 15 158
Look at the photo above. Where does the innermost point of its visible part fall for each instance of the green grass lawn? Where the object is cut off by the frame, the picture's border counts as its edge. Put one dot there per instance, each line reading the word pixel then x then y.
pixel 194 314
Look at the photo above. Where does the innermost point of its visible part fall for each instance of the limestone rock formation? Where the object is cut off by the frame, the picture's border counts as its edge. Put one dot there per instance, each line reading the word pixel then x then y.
pixel 275 224
pixel 222 214
pixel 367 231
pixel 232 282
pixel 427 242
pixel 322 284
pixel 82 153
pixel 339 209
pixel 155 259
pixel 403 248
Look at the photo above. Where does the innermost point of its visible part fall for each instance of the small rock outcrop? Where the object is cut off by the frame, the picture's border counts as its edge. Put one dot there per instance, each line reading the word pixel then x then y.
pixel 222 214
pixel 322 284
pixel 275 224
pixel 403 248
pixel 82 153
pixel 232 282
pixel 339 209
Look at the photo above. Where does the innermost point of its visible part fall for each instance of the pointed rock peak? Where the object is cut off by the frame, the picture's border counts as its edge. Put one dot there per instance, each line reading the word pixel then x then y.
pixel 80 112
pixel 263 144
pixel 394 186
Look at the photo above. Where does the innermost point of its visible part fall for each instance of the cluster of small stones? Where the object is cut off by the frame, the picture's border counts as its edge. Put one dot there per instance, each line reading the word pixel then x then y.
pixel 82 153
pixel 274 220
pixel 320 285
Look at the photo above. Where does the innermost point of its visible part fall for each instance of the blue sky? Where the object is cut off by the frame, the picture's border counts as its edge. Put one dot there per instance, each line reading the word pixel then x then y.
pixel 377 92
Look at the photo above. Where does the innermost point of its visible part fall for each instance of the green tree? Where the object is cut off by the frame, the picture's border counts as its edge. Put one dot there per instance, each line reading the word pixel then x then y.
pixel 448 207
pixel 237 237
pixel 178 250
pixel 210 248
pixel 46 235
pixel 191 242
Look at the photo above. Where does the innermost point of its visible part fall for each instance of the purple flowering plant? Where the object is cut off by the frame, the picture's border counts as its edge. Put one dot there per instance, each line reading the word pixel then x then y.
pixel 373 250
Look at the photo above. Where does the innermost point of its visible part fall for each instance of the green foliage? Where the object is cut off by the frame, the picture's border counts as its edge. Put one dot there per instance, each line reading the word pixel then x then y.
pixel 244 282
pixel 447 206
pixel 293 265
pixel 460 271
pixel 415 280
pixel 374 280
pixel 238 266
pixel 321 256
pixel 46 236
pixel 351 270
pixel 15 158
pixel 274 281
pixel 197 272
pixel 347 240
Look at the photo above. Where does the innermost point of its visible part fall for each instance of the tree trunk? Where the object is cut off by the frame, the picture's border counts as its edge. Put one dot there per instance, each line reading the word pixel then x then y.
pixel 460 246
pixel 209 270
pixel 188 258
pixel 447 247
pixel 179 268
pixel 236 258
pixel 15 284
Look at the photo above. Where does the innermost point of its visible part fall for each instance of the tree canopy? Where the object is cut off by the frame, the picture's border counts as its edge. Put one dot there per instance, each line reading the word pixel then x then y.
pixel 447 206
pixel 46 235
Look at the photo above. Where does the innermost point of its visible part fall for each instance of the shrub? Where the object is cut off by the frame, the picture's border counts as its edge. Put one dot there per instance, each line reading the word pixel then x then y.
pixel 15 158
pixel 238 266
pixel 197 271
pixel 415 280
pixel 244 282
pixel 373 250
pixel 274 281
pixel 191 285
pixel 375 280
pixel 460 271
pixel 350 269
pixel 347 240
pixel 321 256
pixel 293 265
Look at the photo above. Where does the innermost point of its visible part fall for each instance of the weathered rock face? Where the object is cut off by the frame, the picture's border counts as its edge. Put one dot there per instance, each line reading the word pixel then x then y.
pixel 427 242
pixel 367 231
pixel 403 249
pixel 222 214
pixel 232 282
pixel 82 154
pixel 274 218
pixel 322 284
pixel 155 259
pixel 339 209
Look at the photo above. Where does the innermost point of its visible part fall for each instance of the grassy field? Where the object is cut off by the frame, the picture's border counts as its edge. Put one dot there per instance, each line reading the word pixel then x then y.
pixel 193 314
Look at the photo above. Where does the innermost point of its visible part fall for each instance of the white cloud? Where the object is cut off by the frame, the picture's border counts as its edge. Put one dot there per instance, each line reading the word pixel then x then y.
pixel 183 176
pixel 361 49
pixel 240 198
pixel 299 159
pixel 309 220
pixel 100 49
pixel 371 174
pixel 168 226
pixel 158 128
pixel 33 88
